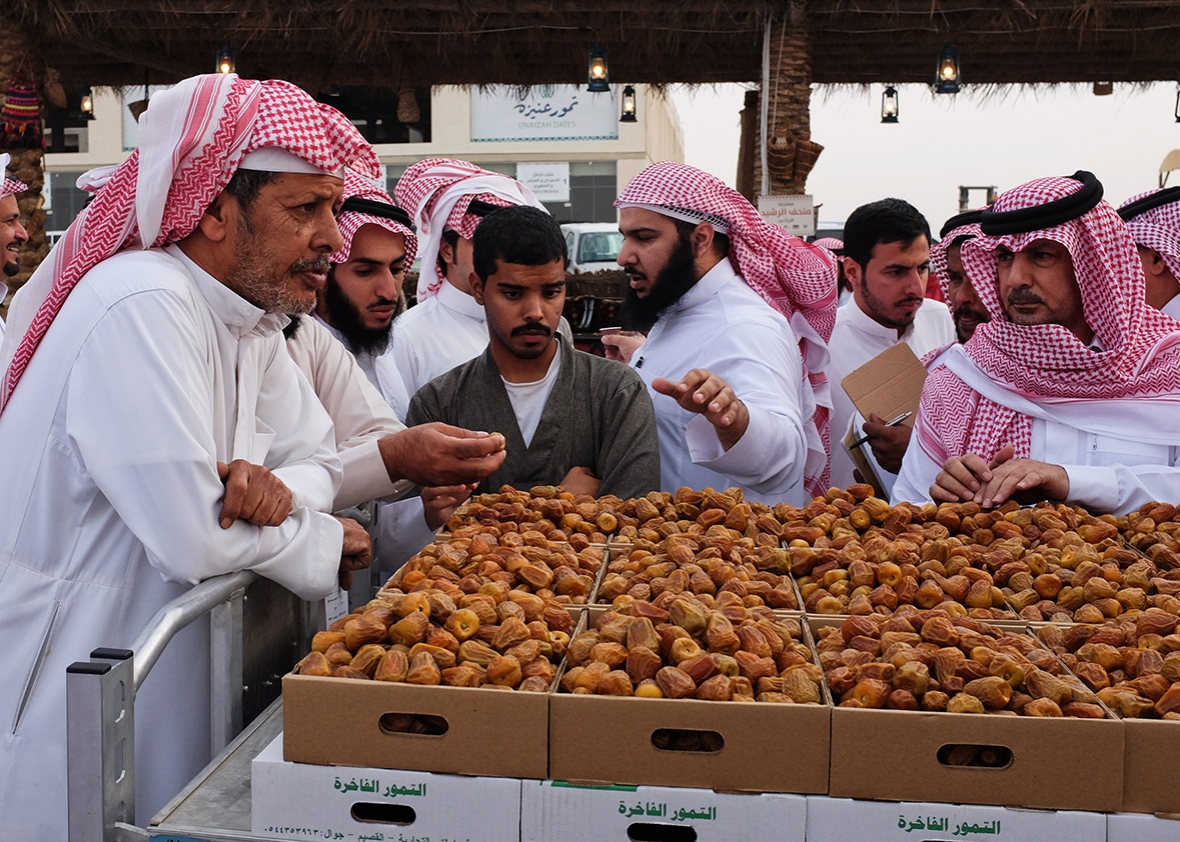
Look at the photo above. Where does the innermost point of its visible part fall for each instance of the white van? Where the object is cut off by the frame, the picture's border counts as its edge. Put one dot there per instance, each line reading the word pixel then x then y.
pixel 593 246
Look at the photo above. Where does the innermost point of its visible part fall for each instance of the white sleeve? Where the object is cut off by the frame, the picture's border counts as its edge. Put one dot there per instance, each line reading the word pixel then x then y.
pixel 1119 489
pixel 360 415
pixel 918 473
pixel 762 366
pixel 399 532
pixel 143 425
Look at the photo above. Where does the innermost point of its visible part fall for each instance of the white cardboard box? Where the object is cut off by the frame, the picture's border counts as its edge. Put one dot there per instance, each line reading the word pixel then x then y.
pixel 302 801
pixel 555 810
pixel 1138 827
pixel 841 819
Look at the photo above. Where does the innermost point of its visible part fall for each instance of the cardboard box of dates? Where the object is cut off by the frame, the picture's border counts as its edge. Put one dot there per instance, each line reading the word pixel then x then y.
pixel 449 668
pixel 966 712
pixel 675 693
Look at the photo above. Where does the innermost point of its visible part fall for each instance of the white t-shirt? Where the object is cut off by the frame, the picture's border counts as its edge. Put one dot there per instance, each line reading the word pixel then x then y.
pixel 529 399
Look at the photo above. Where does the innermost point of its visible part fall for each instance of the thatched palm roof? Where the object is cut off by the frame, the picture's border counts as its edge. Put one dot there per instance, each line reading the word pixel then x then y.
pixel 395 43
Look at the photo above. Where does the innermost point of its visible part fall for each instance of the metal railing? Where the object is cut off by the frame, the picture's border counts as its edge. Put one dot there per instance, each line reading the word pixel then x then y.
pixel 100 706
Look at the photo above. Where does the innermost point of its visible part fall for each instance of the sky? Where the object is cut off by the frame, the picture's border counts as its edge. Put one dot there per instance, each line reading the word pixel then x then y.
pixel 944 141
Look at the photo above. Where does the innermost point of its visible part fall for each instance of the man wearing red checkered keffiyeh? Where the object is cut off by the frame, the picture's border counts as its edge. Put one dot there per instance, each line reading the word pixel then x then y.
pixel 364 288
pixel 739 314
pixel 12 234
pixel 1154 221
pixel 1071 391
pixel 154 432
pixel 946 266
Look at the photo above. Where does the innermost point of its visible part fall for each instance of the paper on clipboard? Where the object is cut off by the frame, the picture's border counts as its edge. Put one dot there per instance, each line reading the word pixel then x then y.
pixel 888 384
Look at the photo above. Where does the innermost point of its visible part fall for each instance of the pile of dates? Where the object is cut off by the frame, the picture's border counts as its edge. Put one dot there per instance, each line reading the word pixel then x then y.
pixel 1152 529
pixel 497 637
pixel 679 648
pixel 931 660
pixel 555 513
pixel 646 521
pixel 1132 663
pixel 483 558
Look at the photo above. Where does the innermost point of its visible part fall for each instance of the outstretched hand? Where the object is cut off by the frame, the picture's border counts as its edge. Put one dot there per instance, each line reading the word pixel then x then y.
pixel 437 454
pixel 703 392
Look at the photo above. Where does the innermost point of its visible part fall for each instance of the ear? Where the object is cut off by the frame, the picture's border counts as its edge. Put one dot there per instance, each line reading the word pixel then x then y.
pixel 1156 265
pixel 220 218
pixel 851 271
pixel 702 239
pixel 476 288
pixel 446 253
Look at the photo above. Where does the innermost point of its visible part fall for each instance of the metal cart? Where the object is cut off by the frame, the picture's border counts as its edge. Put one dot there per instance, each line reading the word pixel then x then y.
pixel 100 728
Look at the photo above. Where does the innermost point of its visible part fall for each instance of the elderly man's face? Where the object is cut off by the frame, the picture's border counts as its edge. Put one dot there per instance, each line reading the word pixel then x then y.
pixel 1037 286
pixel 282 242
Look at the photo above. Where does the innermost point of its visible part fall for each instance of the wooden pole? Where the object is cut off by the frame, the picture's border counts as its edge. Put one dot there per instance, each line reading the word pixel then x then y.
pixel 748 148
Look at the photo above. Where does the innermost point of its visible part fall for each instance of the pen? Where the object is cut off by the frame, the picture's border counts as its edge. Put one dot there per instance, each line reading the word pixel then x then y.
pixel 892 422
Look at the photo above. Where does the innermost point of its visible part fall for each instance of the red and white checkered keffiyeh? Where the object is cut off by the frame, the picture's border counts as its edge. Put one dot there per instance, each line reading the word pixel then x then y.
pixel 349 222
pixel 192 140
pixel 10 186
pixel 938 254
pixel 832 244
pixel 1159 229
pixel 796 278
pixel 1047 364
pixel 437 192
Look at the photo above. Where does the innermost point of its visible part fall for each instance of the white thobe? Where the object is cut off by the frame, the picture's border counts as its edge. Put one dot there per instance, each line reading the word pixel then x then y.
pixel 856 339
pixel 437 334
pixel 1172 308
pixel 3 292
pixel 151 374
pixel 1118 454
pixel 361 416
pixel 381 370
pixel 723 325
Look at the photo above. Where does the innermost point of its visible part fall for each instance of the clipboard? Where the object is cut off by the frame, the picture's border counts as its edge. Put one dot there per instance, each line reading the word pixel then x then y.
pixel 888 385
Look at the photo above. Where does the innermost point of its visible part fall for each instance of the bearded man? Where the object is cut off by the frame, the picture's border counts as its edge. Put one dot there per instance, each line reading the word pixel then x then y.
pixel 738 314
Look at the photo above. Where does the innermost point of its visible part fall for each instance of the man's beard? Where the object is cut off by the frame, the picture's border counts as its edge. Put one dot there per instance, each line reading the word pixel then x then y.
pixel 11 268
pixel 346 318
pixel 252 275
pixel 676 278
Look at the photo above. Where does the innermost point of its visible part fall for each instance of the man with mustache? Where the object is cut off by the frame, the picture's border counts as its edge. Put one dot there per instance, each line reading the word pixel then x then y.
pixel 12 234
pixel 153 430
pixel 365 283
pixel 569 418
pixel 886 260
pixel 447 199
pixel 946 264
pixel 1070 392
pixel 738 313
pixel 1154 221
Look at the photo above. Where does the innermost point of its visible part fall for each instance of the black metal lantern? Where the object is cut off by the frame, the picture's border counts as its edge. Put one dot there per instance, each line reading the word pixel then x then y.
pixel 598 73
pixel 948 79
pixel 227 59
pixel 889 107
pixel 628 113
pixel 1178 104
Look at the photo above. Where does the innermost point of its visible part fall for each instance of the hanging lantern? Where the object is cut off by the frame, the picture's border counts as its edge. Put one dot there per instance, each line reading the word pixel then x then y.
pixel 227 59
pixel 948 79
pixel 628 114
pixel 889 107
pixel 598 73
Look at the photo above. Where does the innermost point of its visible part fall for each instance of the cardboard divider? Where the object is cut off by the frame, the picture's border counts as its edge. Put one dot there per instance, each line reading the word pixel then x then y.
pixel 1149 777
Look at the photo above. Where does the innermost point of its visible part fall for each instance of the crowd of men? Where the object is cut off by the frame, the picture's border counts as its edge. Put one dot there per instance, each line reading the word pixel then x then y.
pixel 211 369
